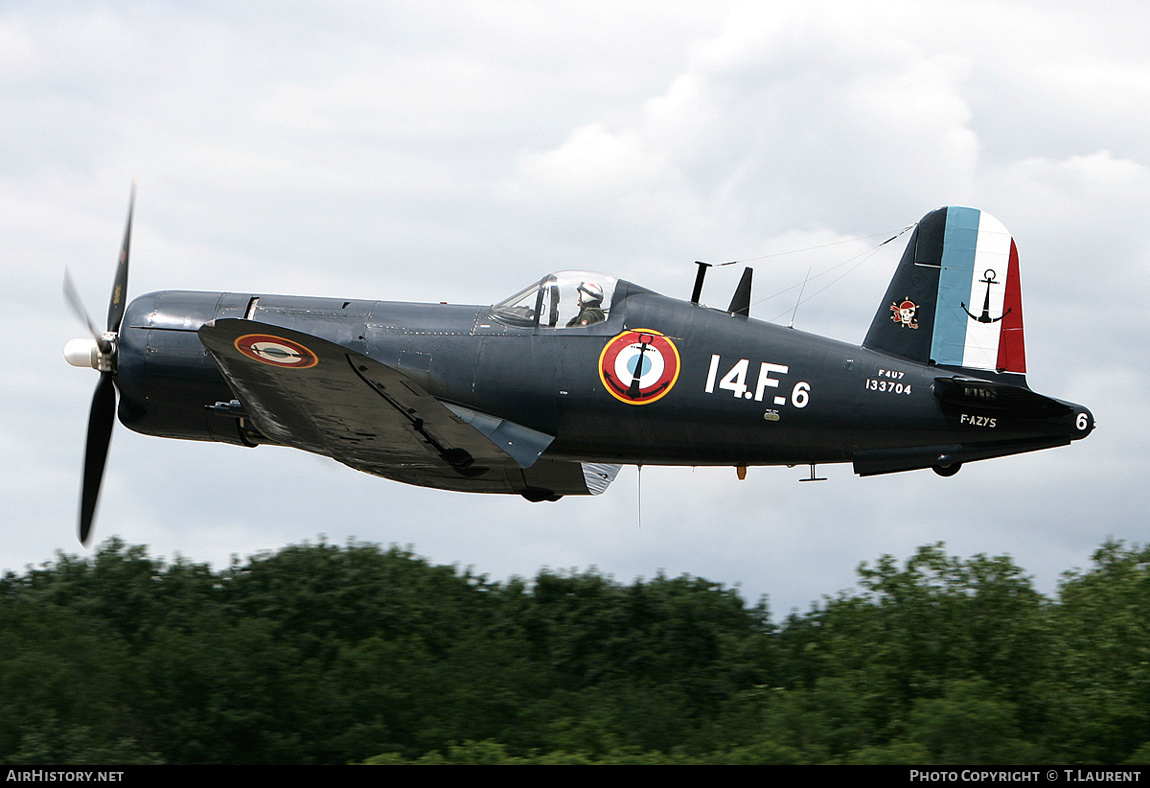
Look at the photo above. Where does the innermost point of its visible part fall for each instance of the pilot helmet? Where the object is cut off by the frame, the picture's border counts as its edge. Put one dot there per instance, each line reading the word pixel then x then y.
pixel 593 292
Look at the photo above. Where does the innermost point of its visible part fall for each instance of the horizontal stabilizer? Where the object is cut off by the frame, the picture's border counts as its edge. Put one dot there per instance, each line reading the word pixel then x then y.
pixel 972 392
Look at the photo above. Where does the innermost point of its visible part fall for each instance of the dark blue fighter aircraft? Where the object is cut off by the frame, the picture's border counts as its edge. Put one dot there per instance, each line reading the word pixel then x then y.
pixel 550 391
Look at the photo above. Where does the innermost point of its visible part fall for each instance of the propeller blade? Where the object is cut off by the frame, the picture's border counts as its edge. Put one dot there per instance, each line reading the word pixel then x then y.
pixel 72 296
pixel 120 284
pixel 100 421
pixel 102 416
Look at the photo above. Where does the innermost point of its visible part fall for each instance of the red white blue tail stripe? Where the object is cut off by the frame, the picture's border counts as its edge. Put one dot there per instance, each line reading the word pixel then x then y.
pixel 978 314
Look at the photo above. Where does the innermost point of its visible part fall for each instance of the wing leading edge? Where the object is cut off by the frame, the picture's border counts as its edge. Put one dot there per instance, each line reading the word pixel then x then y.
pixel 306 392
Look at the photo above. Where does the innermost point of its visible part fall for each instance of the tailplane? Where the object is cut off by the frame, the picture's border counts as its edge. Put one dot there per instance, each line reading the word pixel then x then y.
pixel 956 298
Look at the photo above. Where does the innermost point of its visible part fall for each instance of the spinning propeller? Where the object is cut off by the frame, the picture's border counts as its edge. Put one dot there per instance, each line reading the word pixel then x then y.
pixel 100 353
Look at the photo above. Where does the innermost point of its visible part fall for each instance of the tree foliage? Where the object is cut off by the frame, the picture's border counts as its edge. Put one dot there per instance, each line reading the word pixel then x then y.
pixel 321 653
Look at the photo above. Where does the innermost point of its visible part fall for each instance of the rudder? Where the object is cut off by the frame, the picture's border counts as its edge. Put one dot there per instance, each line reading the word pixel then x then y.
pixel 955 299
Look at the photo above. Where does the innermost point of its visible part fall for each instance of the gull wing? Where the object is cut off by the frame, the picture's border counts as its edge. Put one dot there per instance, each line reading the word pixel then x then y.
pixel 306 392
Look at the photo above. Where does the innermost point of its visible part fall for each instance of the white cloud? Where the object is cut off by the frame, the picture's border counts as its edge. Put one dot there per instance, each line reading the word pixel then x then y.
pixel 595 160
pixel 428 152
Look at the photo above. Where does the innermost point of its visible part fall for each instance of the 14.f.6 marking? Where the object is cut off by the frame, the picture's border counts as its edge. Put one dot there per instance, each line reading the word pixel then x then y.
pixel 735 381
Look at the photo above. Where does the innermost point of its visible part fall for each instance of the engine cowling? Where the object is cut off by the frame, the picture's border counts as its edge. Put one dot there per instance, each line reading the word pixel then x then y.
pixel 169 385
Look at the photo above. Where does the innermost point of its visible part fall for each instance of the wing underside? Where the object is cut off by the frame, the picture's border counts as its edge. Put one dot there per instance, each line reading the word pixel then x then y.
pixel 308 393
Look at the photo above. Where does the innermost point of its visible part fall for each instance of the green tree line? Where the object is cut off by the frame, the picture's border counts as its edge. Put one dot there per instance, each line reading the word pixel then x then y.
pixel 321 653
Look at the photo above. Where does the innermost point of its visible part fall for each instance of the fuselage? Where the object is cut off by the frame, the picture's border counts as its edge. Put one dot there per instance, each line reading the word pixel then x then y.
pixel 745 393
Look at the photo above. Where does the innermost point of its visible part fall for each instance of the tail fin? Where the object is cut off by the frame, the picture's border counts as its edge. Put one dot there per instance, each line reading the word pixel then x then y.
pixel 956 299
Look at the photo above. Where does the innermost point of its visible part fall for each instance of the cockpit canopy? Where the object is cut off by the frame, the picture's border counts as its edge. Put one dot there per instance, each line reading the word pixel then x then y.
pixel 567 299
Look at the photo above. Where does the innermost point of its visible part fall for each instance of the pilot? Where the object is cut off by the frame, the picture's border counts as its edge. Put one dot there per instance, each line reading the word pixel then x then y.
pixel 590 306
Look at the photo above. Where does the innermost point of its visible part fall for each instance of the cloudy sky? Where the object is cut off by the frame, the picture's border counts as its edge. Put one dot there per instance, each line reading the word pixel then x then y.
pixel 458 151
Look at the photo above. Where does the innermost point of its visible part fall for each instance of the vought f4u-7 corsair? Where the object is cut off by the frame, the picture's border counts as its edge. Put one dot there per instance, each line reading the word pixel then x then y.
pixel 548 392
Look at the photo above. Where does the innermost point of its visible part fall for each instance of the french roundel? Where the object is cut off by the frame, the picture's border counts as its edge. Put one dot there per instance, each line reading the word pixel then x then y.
pixel 276 351
pixel 639 366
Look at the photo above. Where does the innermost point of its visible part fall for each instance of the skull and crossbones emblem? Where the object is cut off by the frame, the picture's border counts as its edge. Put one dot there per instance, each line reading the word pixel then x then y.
pixel 904 313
